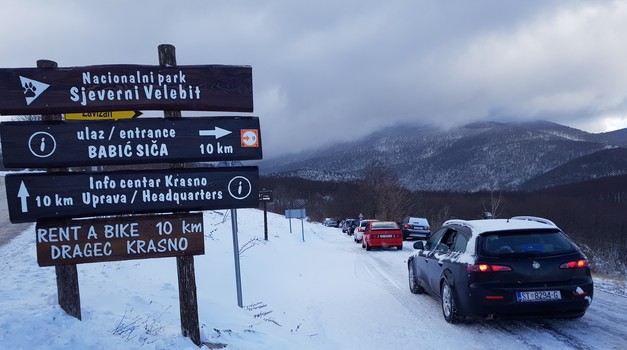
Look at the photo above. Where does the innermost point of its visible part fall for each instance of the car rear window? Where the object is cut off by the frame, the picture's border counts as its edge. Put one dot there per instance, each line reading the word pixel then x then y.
pixel 383 225
pixel 527 242
pixel 417 221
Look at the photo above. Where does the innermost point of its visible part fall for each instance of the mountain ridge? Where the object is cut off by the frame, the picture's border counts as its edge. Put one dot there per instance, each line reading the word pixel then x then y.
pixel 474 157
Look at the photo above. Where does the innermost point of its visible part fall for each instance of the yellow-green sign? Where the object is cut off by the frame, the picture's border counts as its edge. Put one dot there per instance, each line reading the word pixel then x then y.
pixel 103 115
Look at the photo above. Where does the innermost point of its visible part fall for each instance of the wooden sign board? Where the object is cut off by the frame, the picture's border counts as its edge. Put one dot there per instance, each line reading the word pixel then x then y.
pixel 55 144
pixel 120 87
pixel 37 196
pixel 119 238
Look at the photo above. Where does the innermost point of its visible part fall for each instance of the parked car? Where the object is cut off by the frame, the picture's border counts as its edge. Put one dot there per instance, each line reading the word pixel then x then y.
pixel 359 230
pixel 415 228
pixel 523 267
pixel 348 226
pixel 382 234
pixel 329 222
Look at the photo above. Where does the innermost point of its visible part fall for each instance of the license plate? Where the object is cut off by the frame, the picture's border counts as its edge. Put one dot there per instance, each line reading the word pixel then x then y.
pixel 541 295
pixel 386 236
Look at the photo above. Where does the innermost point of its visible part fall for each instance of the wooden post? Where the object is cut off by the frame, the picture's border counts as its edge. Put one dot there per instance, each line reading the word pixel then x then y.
pixel 265 221
pixel 67 275
pixel 188 300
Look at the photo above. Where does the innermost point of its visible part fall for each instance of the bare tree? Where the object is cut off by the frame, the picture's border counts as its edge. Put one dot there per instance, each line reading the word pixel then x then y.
pixel 382 196
pixel 494 207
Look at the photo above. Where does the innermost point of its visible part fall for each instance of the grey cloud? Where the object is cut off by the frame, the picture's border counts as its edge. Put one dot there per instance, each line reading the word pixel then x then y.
pixel 332 71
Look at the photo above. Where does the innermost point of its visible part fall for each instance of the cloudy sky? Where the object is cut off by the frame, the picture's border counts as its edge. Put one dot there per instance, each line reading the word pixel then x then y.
pixel 327 71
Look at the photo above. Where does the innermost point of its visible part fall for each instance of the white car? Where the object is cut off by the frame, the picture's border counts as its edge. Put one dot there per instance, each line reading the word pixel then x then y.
pixel 359 230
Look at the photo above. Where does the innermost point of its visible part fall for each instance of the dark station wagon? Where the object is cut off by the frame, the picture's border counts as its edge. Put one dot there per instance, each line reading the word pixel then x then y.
pixel 523 267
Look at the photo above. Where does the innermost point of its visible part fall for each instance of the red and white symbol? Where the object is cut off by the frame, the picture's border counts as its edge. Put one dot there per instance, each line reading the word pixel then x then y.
pixel 250 137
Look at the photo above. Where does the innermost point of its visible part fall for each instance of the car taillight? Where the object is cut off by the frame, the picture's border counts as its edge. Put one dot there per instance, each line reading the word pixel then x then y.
pixel 406 226
pixel 488 268
pixel 575 264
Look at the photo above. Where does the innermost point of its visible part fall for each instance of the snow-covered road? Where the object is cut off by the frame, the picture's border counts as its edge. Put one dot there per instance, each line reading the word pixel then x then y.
pixel 603 326
pixel 324 293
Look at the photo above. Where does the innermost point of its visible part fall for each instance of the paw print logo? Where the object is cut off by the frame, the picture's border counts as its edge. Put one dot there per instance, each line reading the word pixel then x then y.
pixel 29 89
pixel 32 89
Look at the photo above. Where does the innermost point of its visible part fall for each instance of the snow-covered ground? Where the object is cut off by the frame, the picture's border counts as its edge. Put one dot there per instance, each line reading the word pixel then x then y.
pixel 323 293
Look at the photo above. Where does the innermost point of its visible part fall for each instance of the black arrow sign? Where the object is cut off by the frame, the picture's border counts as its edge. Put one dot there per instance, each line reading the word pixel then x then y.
pixel 132 141
pixel 69 195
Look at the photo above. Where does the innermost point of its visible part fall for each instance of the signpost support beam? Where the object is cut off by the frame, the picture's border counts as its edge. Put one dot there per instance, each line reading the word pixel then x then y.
pixel 265 222
pixel 238 275
pixel 188 300
pixel 67 289
pixel 68 293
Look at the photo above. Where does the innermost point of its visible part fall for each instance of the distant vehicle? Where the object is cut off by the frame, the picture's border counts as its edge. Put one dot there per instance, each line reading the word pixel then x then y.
pixel 330 222
pixel 348 226
pixel 382 234
pixel 523 267
pixel 359 230
pixel 415 228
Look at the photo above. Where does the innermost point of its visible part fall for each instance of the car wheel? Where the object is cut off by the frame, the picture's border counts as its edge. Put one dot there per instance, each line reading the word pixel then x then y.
pixel 572 317
pixel 414 287
pixel 400 247
pixel 449 310
pixel 367 245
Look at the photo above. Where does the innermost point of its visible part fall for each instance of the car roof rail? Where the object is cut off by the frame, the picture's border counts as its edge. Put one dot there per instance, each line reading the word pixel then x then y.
pixel 536 219
pixel 458 222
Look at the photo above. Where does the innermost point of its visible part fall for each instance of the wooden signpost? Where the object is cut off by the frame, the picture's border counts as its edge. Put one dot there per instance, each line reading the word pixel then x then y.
pixel 265 196
pixel 137 141
pixel 121 238
pixel 59 200
pixel 36 196
pixel 114 87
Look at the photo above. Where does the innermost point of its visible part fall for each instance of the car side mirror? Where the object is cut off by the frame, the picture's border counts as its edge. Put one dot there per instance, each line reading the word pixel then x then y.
pixel 419 245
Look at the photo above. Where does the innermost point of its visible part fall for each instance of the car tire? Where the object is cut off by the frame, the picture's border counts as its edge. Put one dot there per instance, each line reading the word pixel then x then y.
pixel 449 310
pixel 367 246
pixel 400 247
pixel 414 287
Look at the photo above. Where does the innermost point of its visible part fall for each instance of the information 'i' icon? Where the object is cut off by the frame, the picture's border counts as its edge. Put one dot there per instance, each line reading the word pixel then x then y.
pixel 42 144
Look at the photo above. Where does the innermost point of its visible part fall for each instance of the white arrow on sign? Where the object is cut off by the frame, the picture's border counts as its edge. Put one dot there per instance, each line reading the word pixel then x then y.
pixel 23 194
pixel 217 132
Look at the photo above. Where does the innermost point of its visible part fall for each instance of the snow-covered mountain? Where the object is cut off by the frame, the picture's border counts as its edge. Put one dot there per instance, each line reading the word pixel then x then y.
pixel 478 156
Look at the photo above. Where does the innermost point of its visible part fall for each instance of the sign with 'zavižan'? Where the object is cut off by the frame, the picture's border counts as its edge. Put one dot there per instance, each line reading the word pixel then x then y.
pixel 36 196
pixel 114 87
pixel 121 238
pixel 54 144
